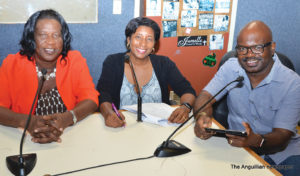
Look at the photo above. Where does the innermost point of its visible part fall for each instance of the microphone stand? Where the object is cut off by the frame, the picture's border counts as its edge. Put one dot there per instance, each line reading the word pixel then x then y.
pixel 139 100
pixel 21 165
pixel 173 148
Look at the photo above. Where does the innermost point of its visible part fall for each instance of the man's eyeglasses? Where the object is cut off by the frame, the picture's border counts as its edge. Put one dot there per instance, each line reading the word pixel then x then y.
pixel 256 49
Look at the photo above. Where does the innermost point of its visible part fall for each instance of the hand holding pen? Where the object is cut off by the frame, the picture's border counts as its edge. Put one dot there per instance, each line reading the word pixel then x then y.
pixel 118 114
pixel 116 111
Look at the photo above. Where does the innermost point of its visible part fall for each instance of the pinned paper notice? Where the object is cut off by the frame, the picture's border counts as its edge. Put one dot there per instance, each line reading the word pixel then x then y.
pixel 188 30
pixel 117 6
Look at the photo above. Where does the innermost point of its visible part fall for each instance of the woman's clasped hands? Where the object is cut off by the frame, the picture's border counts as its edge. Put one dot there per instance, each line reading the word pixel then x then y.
pixel 47 129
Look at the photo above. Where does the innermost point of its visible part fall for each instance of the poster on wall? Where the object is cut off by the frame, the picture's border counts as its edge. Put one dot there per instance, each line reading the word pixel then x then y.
pixel 153 8
pixel 192 41
pixel 170 10
pixel 18 11
pixel 169 28
pixel 221 23
pixel 216 42
pixel 206 21
pixel 188 18
pixel 190 4
pixel 206 5
pixel 222 6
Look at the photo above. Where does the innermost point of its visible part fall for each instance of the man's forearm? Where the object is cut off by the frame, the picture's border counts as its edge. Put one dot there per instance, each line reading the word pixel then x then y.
pixel 203 97
pixel 274 142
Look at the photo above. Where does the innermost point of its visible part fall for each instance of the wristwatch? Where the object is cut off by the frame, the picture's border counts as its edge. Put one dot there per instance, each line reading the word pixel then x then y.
pixel 74 117
pixel 188 106
pixel 263 140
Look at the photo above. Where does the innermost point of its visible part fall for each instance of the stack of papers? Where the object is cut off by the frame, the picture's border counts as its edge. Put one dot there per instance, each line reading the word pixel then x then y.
pixel 157 113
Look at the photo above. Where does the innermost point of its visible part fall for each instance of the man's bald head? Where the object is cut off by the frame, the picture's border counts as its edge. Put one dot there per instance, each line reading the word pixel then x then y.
pixel 255 29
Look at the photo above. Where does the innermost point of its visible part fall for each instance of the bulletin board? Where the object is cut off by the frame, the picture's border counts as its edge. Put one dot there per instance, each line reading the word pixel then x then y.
pixel 205 19
pixel 194 34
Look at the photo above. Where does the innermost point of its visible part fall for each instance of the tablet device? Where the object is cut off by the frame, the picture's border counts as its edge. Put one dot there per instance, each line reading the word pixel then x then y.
pixel 222 133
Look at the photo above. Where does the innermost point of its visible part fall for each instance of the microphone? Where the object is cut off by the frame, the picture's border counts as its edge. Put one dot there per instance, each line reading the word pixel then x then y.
pixel 240 80
pixel 139 100
pixel 21 165
pixel 173 148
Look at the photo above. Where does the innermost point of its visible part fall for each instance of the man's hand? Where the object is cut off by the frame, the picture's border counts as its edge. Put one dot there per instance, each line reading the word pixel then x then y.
pixel 202 122
pixel 252 139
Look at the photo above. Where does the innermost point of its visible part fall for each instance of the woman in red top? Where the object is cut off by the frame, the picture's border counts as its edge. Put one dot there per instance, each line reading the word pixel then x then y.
pixel 67 94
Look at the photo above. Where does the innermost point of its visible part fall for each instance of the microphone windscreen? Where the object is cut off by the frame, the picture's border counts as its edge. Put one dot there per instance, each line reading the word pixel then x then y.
pixel 240 83
pixel 240 79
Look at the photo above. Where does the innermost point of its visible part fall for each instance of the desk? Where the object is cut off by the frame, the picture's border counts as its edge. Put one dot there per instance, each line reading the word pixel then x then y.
pixel 90 143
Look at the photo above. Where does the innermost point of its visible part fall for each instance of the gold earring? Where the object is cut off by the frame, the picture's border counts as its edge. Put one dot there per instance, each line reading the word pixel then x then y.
pixel 128 46
pixel 153 50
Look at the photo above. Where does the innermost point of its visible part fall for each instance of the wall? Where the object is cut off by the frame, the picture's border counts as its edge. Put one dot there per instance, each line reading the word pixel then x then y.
pixel 94 41
pixel 283 19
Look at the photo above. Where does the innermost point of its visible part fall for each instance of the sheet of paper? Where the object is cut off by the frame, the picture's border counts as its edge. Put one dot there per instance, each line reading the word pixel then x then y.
pixel 117 6
pixel 156 113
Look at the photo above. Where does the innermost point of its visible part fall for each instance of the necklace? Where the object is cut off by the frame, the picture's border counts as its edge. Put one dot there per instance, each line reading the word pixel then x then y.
pixel 47 76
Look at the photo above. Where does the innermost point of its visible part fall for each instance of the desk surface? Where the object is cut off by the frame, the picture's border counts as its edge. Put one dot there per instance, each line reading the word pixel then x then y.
pixel 90 143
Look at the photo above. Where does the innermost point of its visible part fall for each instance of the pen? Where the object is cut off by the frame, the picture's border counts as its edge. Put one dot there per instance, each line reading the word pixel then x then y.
pixel 116 111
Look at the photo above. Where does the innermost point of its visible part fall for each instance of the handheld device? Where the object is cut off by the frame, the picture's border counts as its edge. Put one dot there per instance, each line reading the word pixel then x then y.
pixel 222 133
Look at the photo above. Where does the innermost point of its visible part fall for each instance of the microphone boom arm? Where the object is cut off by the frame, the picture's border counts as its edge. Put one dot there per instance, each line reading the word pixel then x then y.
pixel 172 148
pixel 139 111
pixel 199 109
pixel 21 165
